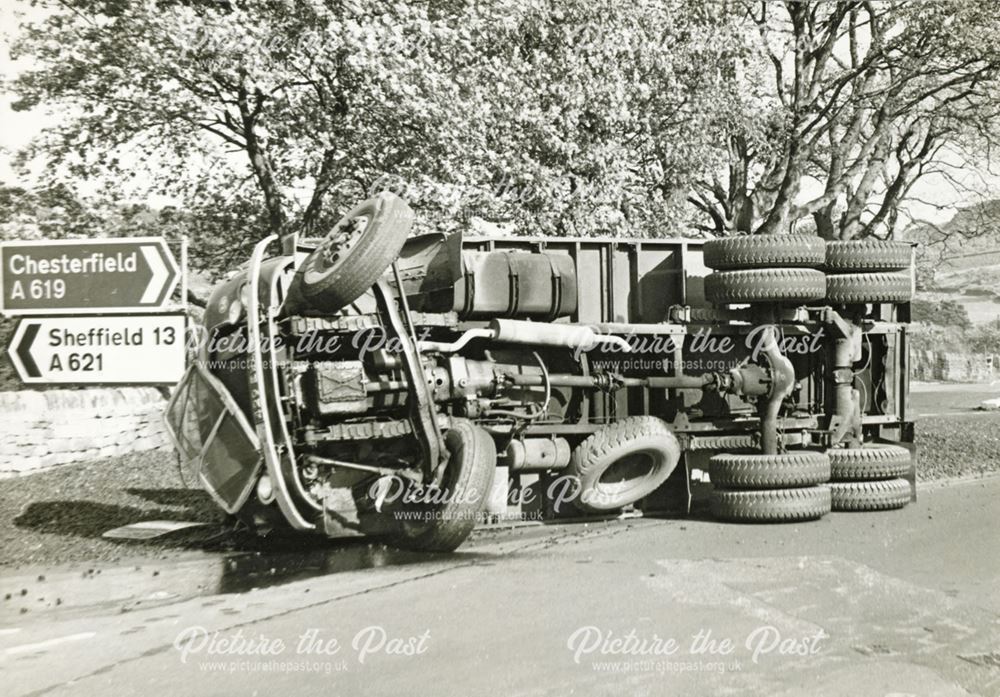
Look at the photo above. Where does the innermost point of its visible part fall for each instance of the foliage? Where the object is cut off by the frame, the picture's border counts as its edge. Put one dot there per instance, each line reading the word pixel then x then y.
pixel 51 212
pixel 607 111
pixel 948 330
pixel 560 117
pixel 58 211
pixel 984 338
pixel 971 238
pixel 569 117
pixel 862 100
pixel 943 313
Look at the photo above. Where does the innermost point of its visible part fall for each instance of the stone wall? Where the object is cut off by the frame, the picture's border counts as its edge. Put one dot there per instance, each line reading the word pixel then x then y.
pixel 41 430
pixel 947 366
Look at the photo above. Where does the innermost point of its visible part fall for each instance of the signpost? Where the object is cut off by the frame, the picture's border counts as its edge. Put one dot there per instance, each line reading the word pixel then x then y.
pixel 133 349
pixel 122 327
pixel 86 276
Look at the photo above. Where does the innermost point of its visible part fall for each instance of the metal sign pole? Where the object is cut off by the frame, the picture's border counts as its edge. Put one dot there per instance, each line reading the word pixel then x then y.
pixel 184 273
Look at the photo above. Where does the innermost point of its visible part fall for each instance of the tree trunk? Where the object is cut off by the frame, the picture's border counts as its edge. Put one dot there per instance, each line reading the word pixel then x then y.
pixel 260 162
pixel 777 220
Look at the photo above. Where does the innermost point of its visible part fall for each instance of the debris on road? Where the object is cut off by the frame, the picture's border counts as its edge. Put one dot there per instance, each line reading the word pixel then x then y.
pixel 149 529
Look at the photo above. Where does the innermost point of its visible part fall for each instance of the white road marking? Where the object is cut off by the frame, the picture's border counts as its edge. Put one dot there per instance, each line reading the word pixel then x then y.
pixel 12 630
pixel 28 648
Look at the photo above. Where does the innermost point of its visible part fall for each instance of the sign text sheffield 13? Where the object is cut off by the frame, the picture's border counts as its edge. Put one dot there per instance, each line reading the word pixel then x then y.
pixel 122 349
pixel 117 292
pixel 86 276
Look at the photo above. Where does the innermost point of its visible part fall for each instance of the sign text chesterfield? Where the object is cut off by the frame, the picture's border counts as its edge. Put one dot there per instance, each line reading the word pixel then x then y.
pixel 107 304
pixel 86 276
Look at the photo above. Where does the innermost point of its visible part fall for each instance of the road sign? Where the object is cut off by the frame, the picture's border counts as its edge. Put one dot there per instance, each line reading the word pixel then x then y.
pixel 136 349
pixel 83 276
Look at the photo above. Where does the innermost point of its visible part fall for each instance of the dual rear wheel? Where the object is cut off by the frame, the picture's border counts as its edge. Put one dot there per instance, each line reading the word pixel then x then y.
pixel 870 478
pixel 805 485
pixel 802 269
pixel 786 487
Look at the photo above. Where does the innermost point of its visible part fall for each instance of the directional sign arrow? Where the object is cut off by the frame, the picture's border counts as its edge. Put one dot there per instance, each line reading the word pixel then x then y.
pixel 133 349
pixel 159 276
pixel 23 350
pixel 85 276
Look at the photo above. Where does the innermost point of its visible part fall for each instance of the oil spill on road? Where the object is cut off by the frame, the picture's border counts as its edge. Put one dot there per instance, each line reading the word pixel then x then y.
pixel 76 590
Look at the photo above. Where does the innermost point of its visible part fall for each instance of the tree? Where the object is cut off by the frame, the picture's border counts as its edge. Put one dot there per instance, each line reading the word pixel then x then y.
pixel 983 338
pixel 50 212
pixel 561 117
pixel 944 313
pixel 260 110
pixel 607 112
pixel 862 98
pixel 60 212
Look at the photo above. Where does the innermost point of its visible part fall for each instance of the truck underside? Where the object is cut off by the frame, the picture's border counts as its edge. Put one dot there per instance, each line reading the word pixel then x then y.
pixel 374 383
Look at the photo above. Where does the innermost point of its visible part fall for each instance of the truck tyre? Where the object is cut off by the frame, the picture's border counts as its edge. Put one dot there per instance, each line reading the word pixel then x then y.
pixel 873 462
pixel 759 471
pixel 765 285
pixel 356 253
pixel 860 288
pixel 763 251
pixel 870 496
pixel 623 462
pixel 467 484
pixel 867 255
pixel 771 506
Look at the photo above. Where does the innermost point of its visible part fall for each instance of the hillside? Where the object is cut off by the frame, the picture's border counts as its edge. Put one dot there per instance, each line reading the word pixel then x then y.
pixel 960 260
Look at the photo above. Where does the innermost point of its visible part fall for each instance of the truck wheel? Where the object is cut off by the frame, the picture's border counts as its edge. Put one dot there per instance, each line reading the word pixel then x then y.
pixel 765 285
pixel 870 496
pixel 771 506
pixel 859 288
pixel 759 471
pixel 468 480
pixel 872 462
pixel 867 255
pixel 762 251
pixel 623 462
pixel 356 253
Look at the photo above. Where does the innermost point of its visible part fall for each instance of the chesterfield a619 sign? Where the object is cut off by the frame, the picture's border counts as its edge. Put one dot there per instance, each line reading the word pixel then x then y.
pixel 87 276
pixel 124 328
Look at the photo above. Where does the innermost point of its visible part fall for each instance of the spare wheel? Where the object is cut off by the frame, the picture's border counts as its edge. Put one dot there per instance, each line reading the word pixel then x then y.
pixel 623 462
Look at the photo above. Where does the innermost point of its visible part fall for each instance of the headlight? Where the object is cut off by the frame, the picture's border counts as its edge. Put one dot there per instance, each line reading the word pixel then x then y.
pixel 238 304
pixel 265 490
pixel 235 312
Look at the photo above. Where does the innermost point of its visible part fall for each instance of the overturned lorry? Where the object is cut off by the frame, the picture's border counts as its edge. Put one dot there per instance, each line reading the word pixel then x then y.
pixel 375 383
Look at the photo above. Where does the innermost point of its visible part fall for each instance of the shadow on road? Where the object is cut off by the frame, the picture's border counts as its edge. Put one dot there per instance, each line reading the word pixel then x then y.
pixel 87 518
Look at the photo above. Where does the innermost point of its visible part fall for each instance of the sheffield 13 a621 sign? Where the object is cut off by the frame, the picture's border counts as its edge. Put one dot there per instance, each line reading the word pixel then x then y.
pixel 86 276
pixel 133 349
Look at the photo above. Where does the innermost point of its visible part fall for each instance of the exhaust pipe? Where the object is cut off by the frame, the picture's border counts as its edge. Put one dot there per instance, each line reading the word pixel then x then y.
pixel 782 382
pixel 512 331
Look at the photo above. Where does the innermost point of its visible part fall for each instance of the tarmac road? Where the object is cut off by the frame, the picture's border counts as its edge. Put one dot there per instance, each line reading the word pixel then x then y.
pixel 935 399
pixel 899 603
